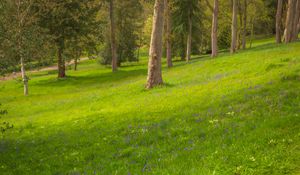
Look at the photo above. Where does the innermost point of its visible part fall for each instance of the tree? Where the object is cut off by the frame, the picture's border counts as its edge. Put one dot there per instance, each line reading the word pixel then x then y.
pixel 279 21
pixel 168 33
pixel 186 21
pixel 127 32
pixel 290 21
pixel 114 58
pixel 296 20
pixel 244 24
pixel 155 52
pixel 234 27
pixel 214 30
pixel 22 40
pixel 65 20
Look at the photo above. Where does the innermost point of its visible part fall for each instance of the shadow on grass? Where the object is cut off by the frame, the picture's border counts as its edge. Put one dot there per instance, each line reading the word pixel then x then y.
pixel 92 79
pixel 98 142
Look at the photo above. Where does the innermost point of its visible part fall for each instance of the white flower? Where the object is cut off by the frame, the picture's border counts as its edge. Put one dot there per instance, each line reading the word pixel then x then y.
pixel 252 159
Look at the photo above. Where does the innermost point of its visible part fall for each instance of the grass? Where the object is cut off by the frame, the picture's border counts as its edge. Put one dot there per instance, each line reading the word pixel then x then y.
pixel 236 114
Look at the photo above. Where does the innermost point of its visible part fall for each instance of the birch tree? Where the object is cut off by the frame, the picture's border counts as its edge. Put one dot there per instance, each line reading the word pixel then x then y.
pixel 21 36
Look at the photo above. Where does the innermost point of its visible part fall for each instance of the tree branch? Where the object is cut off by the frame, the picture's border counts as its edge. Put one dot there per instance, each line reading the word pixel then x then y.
pixel 209 5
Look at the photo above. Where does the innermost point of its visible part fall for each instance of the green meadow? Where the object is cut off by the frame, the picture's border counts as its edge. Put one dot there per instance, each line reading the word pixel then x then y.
pixel 232 115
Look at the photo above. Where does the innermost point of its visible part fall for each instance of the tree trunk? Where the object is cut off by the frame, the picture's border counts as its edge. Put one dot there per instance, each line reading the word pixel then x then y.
pixel 239 30
pixel 278 21
pixel 298 26
pixel 214 31
pixel 234 27
pixel 244 25
pixel 75 64
pixel 20 20
pixel 114 59
pixel 61 62
pixel 24 77
pixel 183 47
pixel 290 21
pixel 189 40
pixel 169 35
pixel 155 52
pixel 252 32
pixel 296 20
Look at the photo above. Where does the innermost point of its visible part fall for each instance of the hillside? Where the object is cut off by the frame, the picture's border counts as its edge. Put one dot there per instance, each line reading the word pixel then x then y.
pixel 235 114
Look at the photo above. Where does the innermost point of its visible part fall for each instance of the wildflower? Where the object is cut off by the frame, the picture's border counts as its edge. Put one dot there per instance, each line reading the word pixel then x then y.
pixel 213 121
pixel 252 159
pixel 272 142
pixel 230 113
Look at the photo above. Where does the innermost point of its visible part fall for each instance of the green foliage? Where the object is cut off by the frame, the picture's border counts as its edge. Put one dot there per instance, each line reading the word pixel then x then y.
pixel 20 35
pixel 128 30
pixel 236 114
pixel 181 10
pixel 224 37
pixel 70 24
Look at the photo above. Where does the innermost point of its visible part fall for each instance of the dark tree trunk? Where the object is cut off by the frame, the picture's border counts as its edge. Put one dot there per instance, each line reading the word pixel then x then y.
pixel 214 31
pixel 155 53
pixel 114 59
pixel 168 34
pixel 75 64
pixel 278 21
pixel 298 26
pixel 61 62
pixel 244 25
pixel 234 27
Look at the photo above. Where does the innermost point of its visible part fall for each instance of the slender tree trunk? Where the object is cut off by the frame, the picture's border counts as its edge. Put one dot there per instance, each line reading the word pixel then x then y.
pixel 77 58
pixel 298 26
pixel 189 40
pixel 155 52
pixel 238 39
pixel 75 64
pixel 278 21
pixel 252 32
pixel 20 20
pixel 140 44
pixel 24 77
pixel 61 62
pixel 114 59
pixel 290 21
pixel 244 25
pixel 214 31
pixel 23 72
pixel 183 47
pixel 239 30
pixel 234 27
pixel 168 33
pixel 296 20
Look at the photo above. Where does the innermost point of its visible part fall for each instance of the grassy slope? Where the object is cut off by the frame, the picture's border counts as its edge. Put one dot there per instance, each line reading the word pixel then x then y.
pixel 233 114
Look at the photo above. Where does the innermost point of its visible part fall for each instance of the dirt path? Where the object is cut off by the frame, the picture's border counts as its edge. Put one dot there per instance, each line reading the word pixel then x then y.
pixel 50 68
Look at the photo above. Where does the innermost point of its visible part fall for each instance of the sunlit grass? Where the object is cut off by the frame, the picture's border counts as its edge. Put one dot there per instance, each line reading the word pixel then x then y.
pixel 235 114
